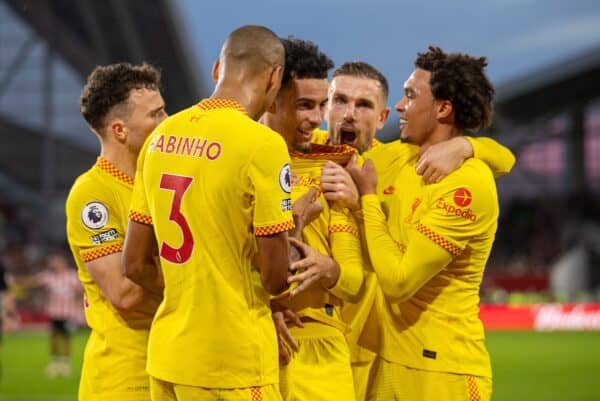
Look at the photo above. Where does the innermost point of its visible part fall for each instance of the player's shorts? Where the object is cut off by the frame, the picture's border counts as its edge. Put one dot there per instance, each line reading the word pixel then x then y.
pixel 165 391
pixel 320 370
pixel 117 372
pixel 392 381
pixel 362 361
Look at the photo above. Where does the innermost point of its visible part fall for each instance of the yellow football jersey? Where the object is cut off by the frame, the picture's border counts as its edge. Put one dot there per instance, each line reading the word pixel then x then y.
pixel 429 316
pixel 334 232
pixel 115 355
pixel 209 179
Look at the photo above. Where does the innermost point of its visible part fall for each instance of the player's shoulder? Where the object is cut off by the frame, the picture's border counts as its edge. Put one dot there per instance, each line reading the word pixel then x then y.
pixel 472 182
pixel 90 187
pixel 386 155
pixel 474 172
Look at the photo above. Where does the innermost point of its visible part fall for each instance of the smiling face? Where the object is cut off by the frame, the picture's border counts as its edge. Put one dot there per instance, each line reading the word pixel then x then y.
pixel 298 111
pixel 356 111
pixel 417 108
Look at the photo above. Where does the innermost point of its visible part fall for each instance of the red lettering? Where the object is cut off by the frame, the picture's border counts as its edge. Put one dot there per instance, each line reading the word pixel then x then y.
pixel 216 153
pixel 188 143
pixel 159 143
pixel 170 144
pixel 199 148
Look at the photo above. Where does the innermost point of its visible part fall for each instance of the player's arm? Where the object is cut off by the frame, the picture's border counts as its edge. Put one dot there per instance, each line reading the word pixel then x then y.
pixel 121 292
pixel 305 210
pixel 270 182
pixel 441 159
pixel 346 249
pixel 139 257
pixel 498 157
pixel 274 262
pixel 400 275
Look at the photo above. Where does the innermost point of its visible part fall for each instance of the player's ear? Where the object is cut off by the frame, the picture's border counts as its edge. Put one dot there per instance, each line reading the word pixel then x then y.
pixel 383 117
pixel 275 78
pixel 215 71
pixel 444 109
pixel 117 129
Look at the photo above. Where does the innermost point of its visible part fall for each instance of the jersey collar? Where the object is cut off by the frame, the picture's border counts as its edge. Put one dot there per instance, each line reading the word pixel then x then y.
pixel 110 169
pixel 213 103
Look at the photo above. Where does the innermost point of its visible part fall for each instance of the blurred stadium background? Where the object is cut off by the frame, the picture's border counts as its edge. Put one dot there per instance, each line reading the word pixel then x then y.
pixel 541 291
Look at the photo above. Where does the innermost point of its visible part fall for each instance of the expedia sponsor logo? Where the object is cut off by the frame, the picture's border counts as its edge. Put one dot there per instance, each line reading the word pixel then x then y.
pixel 457 211
pixel 462 197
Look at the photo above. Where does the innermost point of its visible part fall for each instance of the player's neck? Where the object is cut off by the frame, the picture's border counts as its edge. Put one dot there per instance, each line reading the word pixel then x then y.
pixel 440 134
pixel 241 94
pixel 120 157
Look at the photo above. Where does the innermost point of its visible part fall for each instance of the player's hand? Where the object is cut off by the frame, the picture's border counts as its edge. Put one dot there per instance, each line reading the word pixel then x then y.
pixel 308 206
pixel 317 268
pixel 338 186
pixel 282 318
pixel 364 177
pixel 439 160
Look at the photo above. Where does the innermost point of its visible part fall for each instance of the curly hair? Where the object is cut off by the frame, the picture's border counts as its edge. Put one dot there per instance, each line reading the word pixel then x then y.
pixel 364 70
pixel 460 79
pixel 110 85
pixel 304 60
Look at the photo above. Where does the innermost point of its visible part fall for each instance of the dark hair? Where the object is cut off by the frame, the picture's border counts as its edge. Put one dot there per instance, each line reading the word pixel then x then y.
pixel 110 85
pixel 304 60
pixel 364 70
pixel 460 79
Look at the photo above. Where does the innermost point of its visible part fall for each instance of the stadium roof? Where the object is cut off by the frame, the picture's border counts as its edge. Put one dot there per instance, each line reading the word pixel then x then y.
pixel 555 88
pixel 85 33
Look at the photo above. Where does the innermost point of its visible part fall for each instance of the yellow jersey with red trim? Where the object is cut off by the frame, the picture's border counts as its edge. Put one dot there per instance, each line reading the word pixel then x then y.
pixel 209 180
pixel 428 245
pixel 96 211
pixel 334 233
pixel 115 355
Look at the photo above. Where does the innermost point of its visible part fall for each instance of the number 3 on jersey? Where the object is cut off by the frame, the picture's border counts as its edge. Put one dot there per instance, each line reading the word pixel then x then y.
pixel 179 185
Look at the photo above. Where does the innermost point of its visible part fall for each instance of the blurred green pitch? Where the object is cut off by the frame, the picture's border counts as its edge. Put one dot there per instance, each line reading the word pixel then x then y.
pixel 527 366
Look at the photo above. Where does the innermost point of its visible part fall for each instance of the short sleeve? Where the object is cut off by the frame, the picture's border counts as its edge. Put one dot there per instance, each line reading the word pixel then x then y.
pixel 139 210
pixel 94 221
pixel 270 177
pixel 461 208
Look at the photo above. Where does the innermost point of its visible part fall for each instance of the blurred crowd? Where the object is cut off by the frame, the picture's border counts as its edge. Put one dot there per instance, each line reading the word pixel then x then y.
pixel 31 264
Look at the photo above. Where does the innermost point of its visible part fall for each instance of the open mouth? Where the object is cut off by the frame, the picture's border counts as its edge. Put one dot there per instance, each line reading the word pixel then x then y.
pixel 347 137
pixel 305 135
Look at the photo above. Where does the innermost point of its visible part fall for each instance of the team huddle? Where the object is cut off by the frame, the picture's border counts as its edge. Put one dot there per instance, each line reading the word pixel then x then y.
pixel 236 251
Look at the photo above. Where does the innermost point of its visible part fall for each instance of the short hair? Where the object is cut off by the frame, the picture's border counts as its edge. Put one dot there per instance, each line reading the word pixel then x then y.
pixel 253 47
pixel 303 60
pixel 110 85
pixel 364 70
pixel 460 79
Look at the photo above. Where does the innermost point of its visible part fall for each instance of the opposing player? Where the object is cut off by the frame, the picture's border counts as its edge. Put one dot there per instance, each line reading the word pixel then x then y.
pixel 122 104
pixel 428 244
pixel 63 292
pixel 212 199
